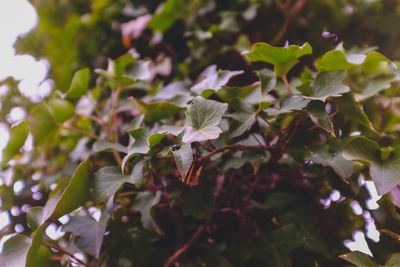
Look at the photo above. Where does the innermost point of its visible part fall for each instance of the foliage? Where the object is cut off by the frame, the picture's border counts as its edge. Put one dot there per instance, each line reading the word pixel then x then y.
pixel 169 140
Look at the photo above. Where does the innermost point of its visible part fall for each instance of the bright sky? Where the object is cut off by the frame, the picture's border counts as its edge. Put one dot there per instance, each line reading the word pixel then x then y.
pixel 17 17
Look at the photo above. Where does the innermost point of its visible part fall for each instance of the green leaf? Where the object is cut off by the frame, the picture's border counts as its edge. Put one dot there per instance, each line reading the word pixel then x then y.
pixel 23 251
pixel 337 60
pixel 393 261
pixel 143 142
pixel 351 109
pixel 74 196
pixel 359 259
pixel 267 80
pixel 318 114
pixel 15 251
pixel 183 159
pixel 89 232
pixel 34 217
pixel 108 180
pixel 344 168
pixel 18 135
pixel 102 145
pixel 288 105
pixel 213 81
pixel 374 87
pixel 166 16
pixel 283 58
pixel 384 170
pixel 42 123
pixel 125 71
pixel 155 111
pixel 328 84
pixel 136 177
pixel 61 110
pixel 204 115
pixel 243 122
pixel 79 84
pixel 144 203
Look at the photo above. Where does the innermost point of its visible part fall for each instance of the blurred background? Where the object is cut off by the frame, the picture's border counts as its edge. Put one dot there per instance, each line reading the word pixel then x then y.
pixel 42 43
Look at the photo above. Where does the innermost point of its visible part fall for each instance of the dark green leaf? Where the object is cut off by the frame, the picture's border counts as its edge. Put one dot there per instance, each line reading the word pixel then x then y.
pixel 144 203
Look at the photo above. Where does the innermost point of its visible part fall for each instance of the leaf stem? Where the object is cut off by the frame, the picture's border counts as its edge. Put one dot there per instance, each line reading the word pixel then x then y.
pixel 287 84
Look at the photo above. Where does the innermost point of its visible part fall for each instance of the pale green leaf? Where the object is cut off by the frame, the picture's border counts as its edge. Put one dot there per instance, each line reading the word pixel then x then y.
pixel 204 115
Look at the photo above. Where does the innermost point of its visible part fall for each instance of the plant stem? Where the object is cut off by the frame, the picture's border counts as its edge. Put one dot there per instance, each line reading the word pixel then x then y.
pixel 287 84
pixel 171 260
pixel 233 147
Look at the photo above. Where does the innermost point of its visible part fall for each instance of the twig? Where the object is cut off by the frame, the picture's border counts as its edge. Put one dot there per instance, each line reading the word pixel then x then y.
pixel 72 256
pixel 290 14
pixel 174 258
pixel 113 127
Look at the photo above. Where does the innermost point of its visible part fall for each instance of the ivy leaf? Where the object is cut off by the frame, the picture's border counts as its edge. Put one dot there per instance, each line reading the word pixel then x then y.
pixel 337 60
pixel 288 105
pixel 108 180
pixel 344 168
pixel 144 203
pixel 15 251
pixel 213 81
pixel 318 114
pixel 143 142
pixel 79 84
pixel 353 110
pixel 75 194
pixel 136 176
pixel 34 217
pixel 384 164
pixel 155 111
pixel 328 84
pixel 61 110
pixel 42 123
pixel 167 15
pixel 125 71
pixel 374 87
pixel 267 80
pixel 89 232
pixel 283 58
pixel 102 145
pixel 184 159
pixel 23 251
pixel 204 115
pixel 359 259
pixel 243 122
pixel 18 135
pixel 393 261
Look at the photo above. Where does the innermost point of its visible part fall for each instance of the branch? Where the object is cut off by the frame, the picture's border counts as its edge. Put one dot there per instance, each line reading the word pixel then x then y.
pixel 174 258
pixel 290 14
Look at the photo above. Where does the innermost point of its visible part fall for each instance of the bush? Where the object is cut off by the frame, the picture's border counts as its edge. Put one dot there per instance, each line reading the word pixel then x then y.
pixel 191 147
